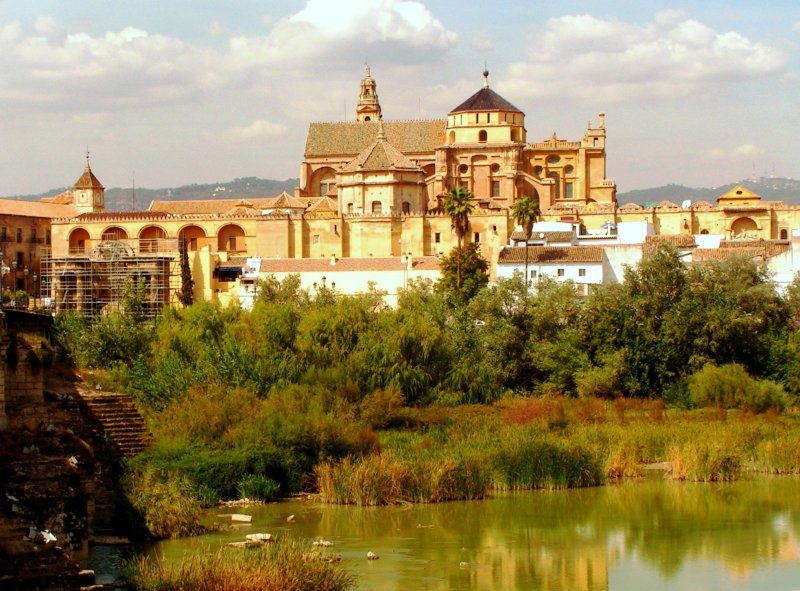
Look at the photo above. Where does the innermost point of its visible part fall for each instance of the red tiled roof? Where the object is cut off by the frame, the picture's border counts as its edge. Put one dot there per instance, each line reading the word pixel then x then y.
pixel 550 254
pixel 677 240
pixel 35 209
pixel 88 180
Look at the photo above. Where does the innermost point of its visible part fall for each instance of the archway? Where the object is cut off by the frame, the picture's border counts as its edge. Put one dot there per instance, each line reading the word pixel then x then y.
pixel 78 240
pixel 115 233
pixel 194 236
pixel 744 228
pixel 149 238
pixel 230 238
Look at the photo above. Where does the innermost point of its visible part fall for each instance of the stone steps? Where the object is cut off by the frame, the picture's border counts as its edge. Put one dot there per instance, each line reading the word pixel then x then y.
pixel 117 418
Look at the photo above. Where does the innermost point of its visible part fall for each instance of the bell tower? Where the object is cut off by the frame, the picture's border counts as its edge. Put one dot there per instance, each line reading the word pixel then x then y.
pixel 368 108
pixel 88 194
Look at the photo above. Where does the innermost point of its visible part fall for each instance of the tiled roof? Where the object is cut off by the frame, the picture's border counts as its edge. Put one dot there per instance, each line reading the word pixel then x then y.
pixel 342 265
pixel 64 198
pixel 666 205
pixel 548 236
pixel 35 209
pixel 631 207
pixel 380 155
pixel 243 208
pixel 485 99
pixel 550 254
pixel 770 247
pixel 677 240
pixel 351 138
pixel 88 180
pixel 702 205
pixel 324 204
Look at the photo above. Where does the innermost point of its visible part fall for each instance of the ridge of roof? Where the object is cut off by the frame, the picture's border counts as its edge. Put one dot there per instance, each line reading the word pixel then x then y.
pixel 485 99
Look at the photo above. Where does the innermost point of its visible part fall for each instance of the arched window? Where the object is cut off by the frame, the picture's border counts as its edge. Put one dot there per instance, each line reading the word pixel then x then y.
pixel 451 139
pixel 78 240
pixel 482 135
pixel 194 236
pixel 406 207
pixel 150 238
pixel 784 234
pixel 367 118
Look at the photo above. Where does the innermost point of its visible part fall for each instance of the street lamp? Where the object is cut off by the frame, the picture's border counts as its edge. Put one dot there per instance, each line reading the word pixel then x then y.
pixel 27 297
pixel 35 290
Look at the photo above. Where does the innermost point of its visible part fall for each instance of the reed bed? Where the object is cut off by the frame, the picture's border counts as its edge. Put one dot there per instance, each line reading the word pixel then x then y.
pixel 283 566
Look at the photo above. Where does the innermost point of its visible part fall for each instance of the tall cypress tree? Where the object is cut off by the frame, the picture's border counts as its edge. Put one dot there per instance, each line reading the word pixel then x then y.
pixel 186 292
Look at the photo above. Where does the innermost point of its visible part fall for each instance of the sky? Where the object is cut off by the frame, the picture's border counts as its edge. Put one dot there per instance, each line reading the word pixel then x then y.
pixel 164 93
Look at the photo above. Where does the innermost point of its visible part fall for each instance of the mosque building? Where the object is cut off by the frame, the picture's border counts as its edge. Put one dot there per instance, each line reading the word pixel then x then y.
pixel 371 191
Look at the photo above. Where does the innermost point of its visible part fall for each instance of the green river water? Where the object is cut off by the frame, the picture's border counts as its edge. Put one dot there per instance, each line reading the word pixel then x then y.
pixel 649 534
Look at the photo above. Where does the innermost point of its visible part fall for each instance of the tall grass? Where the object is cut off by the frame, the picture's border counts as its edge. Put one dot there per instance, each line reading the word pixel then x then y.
pixel 704 461
pixel 284 566
pixel 168 505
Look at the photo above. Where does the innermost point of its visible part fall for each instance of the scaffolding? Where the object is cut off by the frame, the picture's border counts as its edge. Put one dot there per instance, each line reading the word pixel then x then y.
pixel 94 279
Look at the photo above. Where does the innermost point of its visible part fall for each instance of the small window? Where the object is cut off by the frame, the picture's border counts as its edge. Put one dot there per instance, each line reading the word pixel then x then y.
pixel 232 243
pixel 596 142
pixel 349 208
pixel 553 159
pixel 315 239
pixel 568 191
pixel 19 234
pixel 581 272
pixel 406 207
pixel 437 238
pixel 495 168
pixel 784 234
pixel 533 274
pixel 476 237
pixel 569 169
pixel 482 135
pixel 20 260
pixel 495 188
pixel 33 235
pixel 46 236
pixel 537 171
pixel 560 272
pixel 463 169
pixel 376 207
pixel 3 234
pixel 192 243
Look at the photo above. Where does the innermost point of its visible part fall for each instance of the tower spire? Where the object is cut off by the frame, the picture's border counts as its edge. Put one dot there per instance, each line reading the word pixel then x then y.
pixel 485 76
pixel 368 108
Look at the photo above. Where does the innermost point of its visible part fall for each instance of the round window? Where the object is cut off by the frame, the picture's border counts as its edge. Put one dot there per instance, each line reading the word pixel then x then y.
pixel 463 169
pixel 537 170
pixel 495 167
pixel 568 169
pixel 553 159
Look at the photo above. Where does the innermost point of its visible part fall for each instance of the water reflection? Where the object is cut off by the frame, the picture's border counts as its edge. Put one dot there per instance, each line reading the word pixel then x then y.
pixel 651 533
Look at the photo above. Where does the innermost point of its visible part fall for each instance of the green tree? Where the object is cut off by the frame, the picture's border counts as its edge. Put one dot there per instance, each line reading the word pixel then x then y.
pixel 458 206
pixel 464 272
pixel 526 211
pixel 186 292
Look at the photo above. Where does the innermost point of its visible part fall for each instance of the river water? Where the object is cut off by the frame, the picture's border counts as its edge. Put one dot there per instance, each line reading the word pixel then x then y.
pixel 649 534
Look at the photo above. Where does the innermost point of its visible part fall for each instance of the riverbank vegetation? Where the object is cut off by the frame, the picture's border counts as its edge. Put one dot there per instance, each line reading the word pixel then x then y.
pixel 449 396
pixel 286 565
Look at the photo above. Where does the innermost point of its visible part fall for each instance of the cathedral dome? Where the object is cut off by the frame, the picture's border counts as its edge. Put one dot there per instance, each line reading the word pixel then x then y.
pixel 485 99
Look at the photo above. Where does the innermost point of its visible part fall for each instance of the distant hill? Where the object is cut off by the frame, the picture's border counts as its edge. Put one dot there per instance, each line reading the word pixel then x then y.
pixel 118 199
pixel 770 189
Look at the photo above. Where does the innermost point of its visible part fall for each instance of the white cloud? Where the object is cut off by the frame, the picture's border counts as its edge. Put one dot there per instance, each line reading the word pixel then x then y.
pixel 740 152
pixel 796 27
pixel 585 57
pixel 257 130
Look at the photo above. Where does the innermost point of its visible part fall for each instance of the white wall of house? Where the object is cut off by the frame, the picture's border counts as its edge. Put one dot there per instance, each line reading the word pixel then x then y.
pixel 583 274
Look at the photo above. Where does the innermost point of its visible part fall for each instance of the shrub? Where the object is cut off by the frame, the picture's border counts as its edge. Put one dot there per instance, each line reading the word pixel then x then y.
pixel 703 461
pixel 167 503
pixel 730 386
pixel 257 487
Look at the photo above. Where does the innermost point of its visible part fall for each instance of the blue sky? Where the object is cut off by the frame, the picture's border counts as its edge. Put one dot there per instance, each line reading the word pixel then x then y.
pixel 176 92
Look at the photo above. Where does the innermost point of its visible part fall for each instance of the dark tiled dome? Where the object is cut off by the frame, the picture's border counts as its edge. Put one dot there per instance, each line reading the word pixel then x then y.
pixel 485 99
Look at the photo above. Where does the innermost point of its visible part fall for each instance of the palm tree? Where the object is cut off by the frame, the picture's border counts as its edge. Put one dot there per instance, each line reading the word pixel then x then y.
pixel 526 211
pixel 458 206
